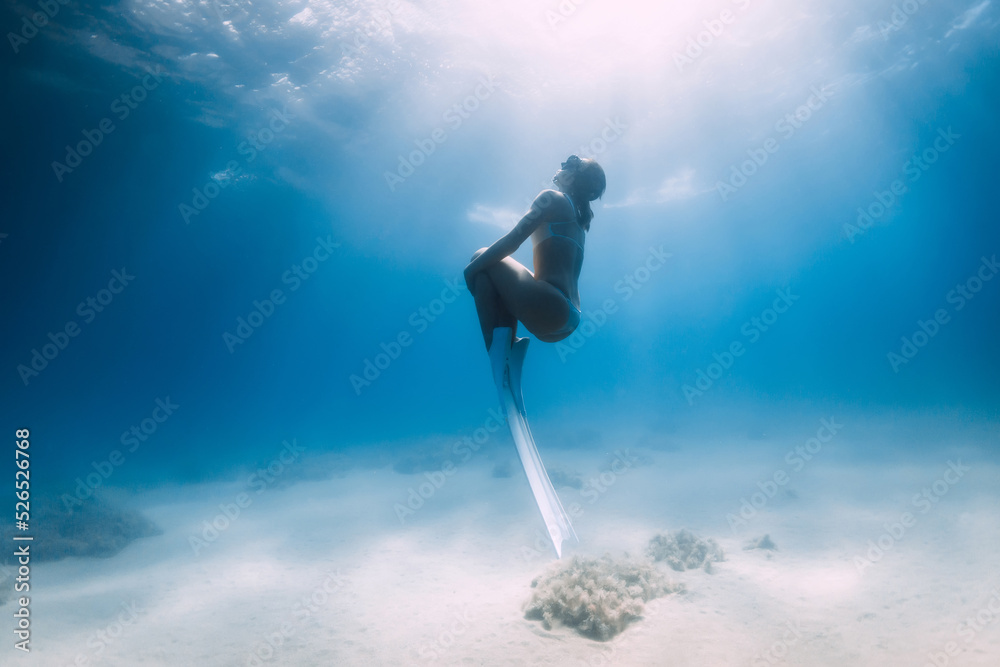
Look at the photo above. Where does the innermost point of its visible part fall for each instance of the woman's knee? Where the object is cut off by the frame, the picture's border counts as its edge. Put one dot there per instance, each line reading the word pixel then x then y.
pixel 477 254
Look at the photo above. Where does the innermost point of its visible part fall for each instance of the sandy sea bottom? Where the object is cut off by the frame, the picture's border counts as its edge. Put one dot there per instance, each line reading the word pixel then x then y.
pixel 886 555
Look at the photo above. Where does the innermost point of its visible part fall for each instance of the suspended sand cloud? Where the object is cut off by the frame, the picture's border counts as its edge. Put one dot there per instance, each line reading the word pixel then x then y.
pixel 968 18
pixel 679 186
pixel 504 218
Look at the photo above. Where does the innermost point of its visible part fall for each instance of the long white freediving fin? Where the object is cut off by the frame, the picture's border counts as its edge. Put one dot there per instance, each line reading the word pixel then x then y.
pixel 507 362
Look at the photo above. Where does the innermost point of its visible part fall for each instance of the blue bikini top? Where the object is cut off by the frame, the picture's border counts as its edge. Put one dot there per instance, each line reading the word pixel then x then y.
pixel 572 229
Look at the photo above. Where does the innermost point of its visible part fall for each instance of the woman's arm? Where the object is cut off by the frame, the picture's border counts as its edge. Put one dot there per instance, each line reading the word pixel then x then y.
pixel 512 240
pixel 502 247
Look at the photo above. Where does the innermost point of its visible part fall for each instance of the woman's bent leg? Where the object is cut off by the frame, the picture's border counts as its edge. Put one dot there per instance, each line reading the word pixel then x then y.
pixel 507 293
pixel 492 311
pixel 535 303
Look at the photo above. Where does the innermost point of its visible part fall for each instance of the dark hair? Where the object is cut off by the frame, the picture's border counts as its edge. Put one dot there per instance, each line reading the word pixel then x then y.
pixel 588 184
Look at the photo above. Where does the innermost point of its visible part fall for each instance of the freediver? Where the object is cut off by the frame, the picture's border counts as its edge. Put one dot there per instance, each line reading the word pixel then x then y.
pixel 547 301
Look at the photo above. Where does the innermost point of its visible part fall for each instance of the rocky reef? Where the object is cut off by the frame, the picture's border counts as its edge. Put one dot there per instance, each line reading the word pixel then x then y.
pixel 683 550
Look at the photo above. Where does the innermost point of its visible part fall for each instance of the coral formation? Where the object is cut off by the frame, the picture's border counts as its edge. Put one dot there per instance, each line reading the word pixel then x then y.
pixel 683 550
pixel 596 597
pixel 764 542
pixel 93 527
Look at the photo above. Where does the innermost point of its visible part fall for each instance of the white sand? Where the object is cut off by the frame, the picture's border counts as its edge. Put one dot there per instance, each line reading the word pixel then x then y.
pixel 448 586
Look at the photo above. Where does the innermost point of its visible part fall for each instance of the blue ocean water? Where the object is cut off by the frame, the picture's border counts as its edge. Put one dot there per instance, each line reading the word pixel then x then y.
pixel 232 224
pixel 309 117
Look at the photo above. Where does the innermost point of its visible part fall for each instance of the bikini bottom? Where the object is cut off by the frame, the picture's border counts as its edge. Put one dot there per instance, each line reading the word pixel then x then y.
pixel 572 322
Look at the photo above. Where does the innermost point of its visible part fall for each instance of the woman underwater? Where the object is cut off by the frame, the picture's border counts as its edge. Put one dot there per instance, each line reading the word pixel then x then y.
pixel 548 301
